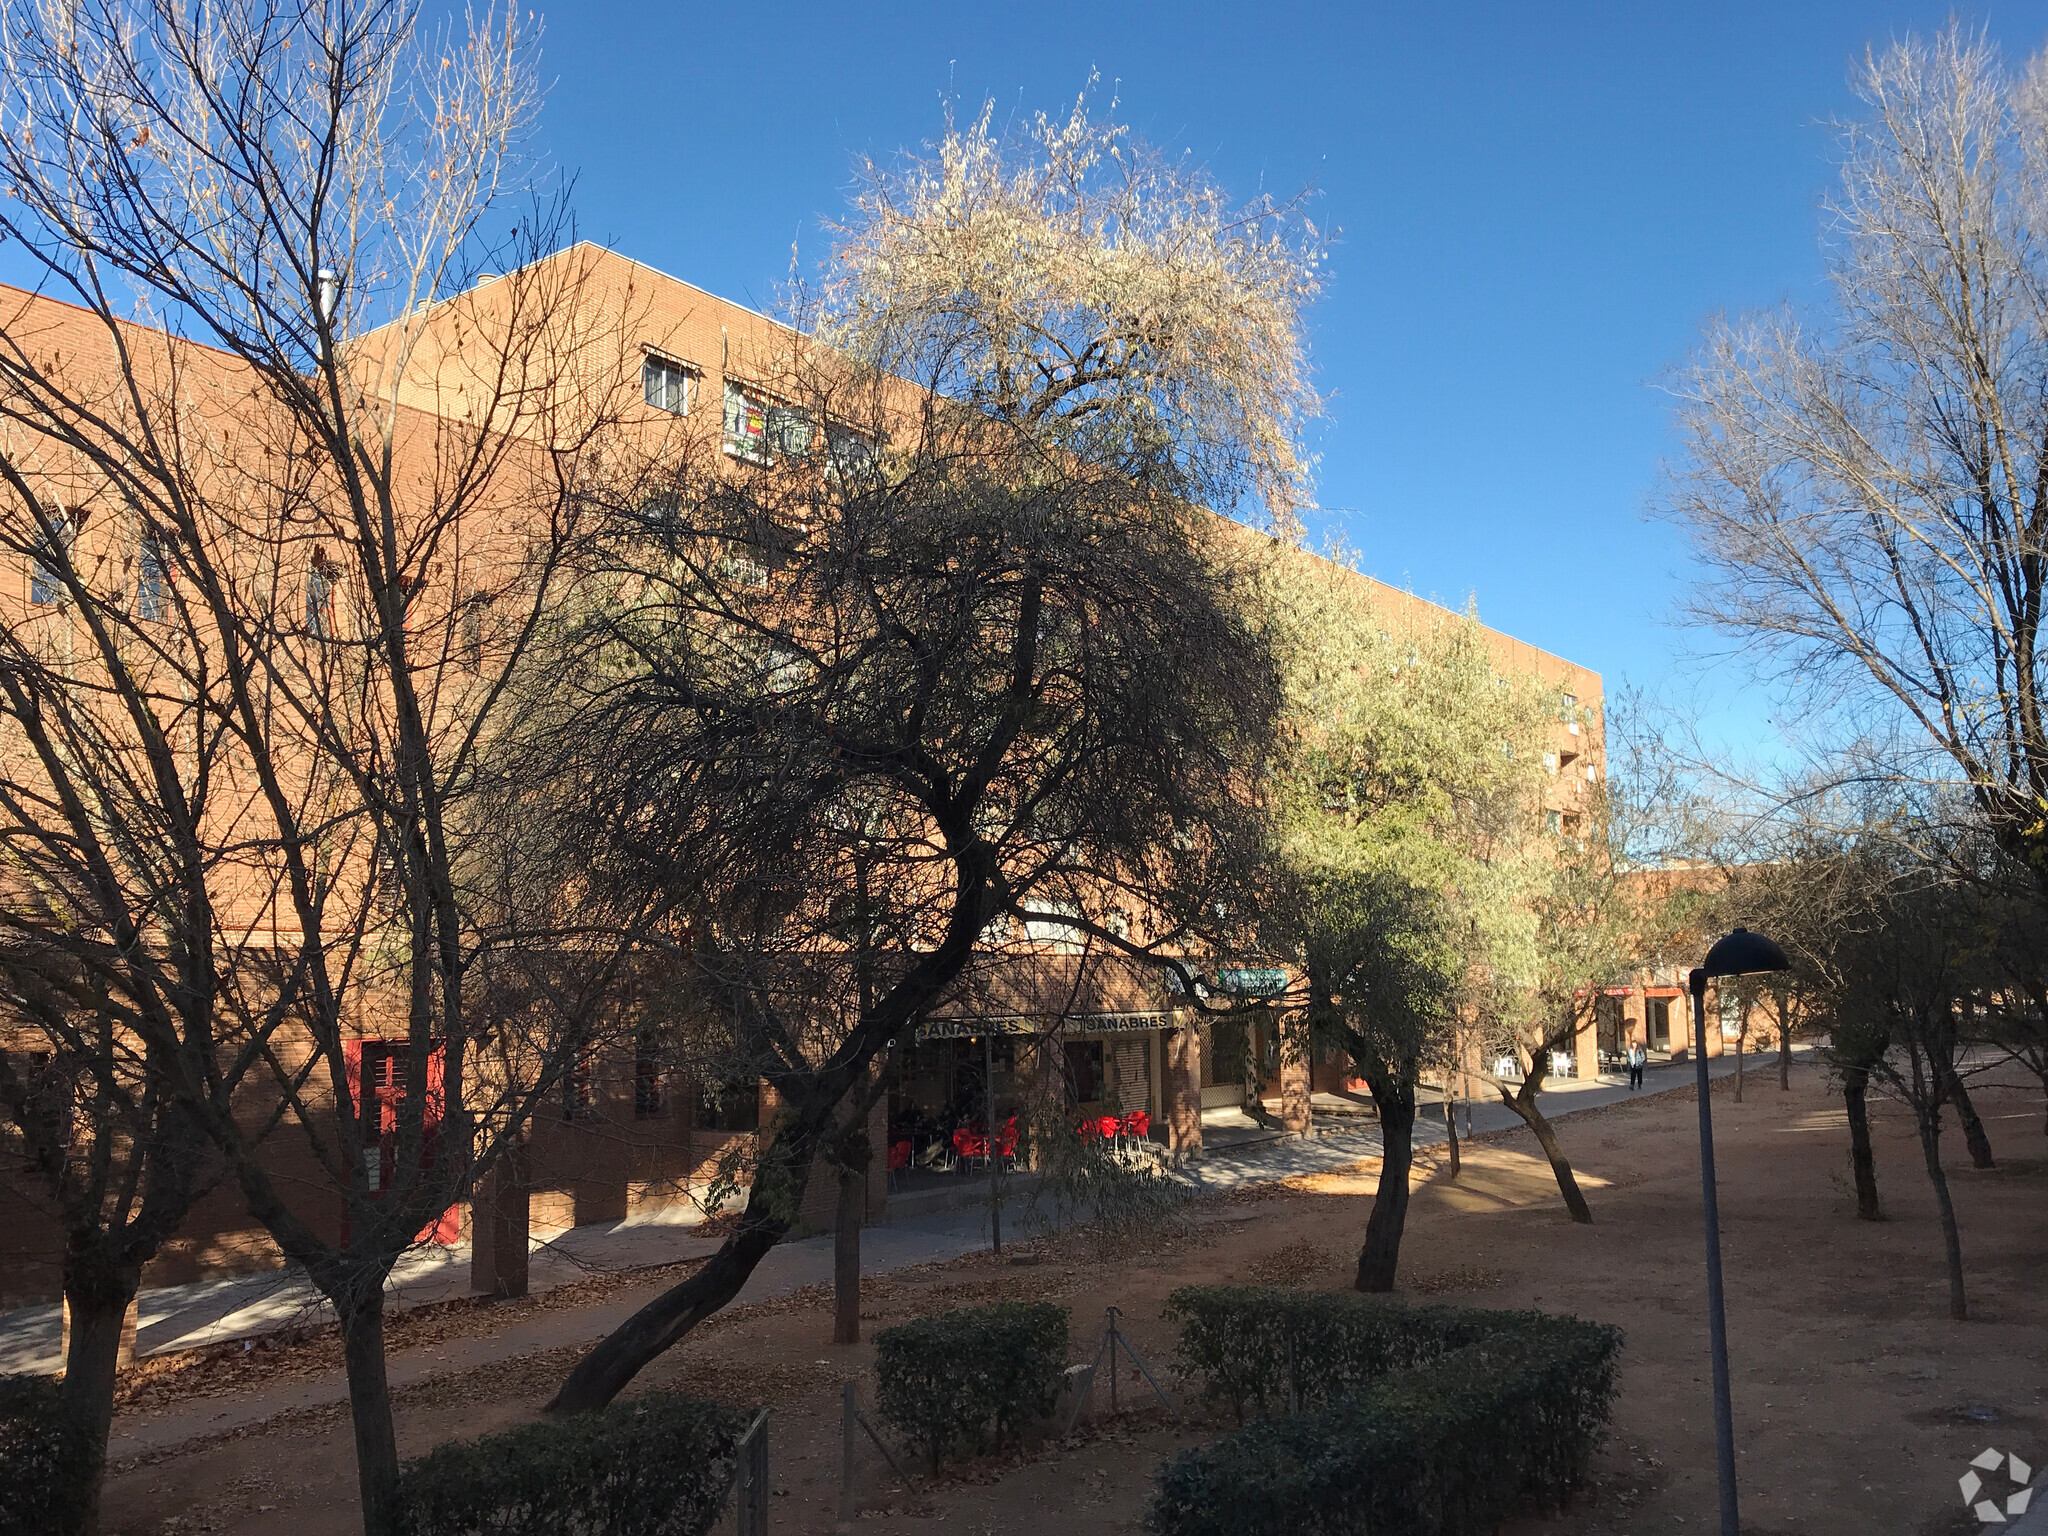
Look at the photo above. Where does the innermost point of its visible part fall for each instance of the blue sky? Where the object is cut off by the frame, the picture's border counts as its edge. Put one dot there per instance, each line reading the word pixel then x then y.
pixel 1538 204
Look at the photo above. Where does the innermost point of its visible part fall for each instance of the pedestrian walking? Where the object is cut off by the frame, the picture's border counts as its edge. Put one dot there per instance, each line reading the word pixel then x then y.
pixel 1638 1058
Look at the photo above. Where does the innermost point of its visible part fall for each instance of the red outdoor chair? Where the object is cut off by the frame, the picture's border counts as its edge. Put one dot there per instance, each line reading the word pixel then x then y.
pixel 971 1144
pixel 1006 1141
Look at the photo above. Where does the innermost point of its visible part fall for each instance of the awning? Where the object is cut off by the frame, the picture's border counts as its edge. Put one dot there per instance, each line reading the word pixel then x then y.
pixel 1663 992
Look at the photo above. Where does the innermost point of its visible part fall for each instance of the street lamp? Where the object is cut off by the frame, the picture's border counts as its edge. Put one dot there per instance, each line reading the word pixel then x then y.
pixel 1741 953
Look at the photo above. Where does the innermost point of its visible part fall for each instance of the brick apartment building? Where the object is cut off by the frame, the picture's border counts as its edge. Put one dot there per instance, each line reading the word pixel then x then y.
pixel 626 1137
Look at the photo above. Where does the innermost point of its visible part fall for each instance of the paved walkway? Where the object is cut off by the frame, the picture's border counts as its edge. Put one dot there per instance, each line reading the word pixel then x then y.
pixel 184 1317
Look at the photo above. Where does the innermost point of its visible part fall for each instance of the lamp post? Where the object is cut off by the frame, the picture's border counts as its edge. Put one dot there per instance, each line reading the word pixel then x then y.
pixel 1741 953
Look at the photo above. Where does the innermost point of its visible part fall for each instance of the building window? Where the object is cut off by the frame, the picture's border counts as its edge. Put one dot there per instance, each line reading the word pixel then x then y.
pixel 732 1104
pixel 472 645
pixel 390 875
pixel 1550 762
pixel 849 454
pixel 1044 927
pixel 759 430
pixel 669 385
pixel 320 583
pixel 789 431
pixel 579 1087
pixel 746 425
pixel 1570 706
pixel 53 553
pixel 1084 1070
pixel 1553 822
pixel 152 581
pixel 741 569
pixel 649 1102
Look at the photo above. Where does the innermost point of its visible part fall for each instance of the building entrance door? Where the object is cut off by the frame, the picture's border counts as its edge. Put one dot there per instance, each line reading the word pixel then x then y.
pixel 1660 1023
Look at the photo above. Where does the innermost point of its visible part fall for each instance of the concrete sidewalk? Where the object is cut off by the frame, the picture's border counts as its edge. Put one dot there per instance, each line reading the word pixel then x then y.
pixel 188 1316
pixel 1334 1146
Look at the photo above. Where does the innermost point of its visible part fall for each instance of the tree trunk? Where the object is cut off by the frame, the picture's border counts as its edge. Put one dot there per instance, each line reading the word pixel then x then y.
pixel 1862 1162
pixel 1785 1047
pixel 1380 1255
pixel 97 1311
pixel 1738 1065
pixel 615 1359
pixel 1546 1137
pixel 853 1191
pixel 1951 1239
pixel 1973 1128
pixel 1451 1131
pixel 369 1399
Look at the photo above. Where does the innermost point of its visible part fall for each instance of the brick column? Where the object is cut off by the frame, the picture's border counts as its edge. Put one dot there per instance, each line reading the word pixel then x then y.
pixel 1295 1068
pixel 1586 1048
pixel 500 1220
pixel 1045 1109
pixel 1184 1089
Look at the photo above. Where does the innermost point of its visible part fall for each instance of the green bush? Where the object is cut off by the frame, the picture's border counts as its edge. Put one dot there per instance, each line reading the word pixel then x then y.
pixel 1272 1346
pixel 948 1381
pixel 656 1465
pixel 1424 1421
pixel 49 1458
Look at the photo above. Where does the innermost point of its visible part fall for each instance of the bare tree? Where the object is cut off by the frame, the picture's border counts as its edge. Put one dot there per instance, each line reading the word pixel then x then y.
pixel 2016 1008
pixel 109 1151
pixel 252 787
pixel 1867 491
pixel 1911 970
pixel 950 620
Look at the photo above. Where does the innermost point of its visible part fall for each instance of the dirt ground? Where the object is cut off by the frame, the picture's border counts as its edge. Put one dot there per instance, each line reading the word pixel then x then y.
pixel 1858 1403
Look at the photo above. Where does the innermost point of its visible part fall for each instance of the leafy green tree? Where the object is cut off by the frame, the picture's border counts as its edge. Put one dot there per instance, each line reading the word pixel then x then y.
pixel 1583 938
pixel 1403 804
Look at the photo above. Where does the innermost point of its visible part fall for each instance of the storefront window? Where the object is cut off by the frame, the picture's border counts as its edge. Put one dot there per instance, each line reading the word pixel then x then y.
pixel 1084 1070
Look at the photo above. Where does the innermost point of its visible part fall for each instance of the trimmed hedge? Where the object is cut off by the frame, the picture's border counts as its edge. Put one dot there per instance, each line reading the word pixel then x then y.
pixel 49 1458
pixel 656 1465
pixel 948 1381
pixel 1272 1346
pixel 1433 1421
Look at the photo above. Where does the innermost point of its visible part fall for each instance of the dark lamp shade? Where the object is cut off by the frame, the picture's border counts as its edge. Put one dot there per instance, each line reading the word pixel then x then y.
pixel 1743 953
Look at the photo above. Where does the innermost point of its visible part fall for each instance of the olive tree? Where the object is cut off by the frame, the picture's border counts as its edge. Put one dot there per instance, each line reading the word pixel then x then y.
pixel 960 655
